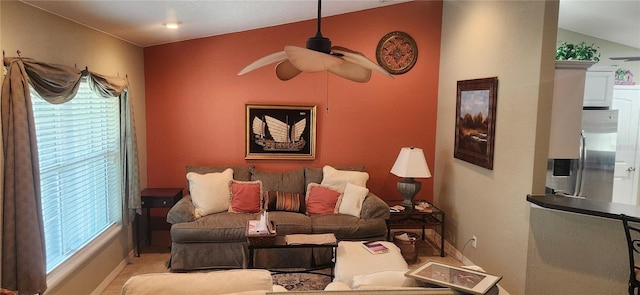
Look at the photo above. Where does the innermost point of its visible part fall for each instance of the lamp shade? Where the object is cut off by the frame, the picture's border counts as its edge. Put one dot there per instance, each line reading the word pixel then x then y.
pixel 411 163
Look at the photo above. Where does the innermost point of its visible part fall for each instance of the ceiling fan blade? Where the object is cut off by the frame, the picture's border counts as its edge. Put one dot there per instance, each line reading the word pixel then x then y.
pixel 359 59
pixel 631 58
pixel 269 59
pixel 308 60
pixel 351 71
pixel 285 71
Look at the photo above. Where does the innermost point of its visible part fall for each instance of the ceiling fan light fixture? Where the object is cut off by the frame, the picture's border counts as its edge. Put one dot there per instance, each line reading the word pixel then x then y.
pixel 172 25
pixel 319 43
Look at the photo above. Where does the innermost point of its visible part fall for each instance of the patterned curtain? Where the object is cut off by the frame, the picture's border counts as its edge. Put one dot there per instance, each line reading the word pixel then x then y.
pixel 23 247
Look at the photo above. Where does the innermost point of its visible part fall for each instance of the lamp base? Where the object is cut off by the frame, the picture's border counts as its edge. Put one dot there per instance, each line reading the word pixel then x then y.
pixel 408 188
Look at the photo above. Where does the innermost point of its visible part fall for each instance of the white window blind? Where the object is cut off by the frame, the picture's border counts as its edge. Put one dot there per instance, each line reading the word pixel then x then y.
pixel 79 153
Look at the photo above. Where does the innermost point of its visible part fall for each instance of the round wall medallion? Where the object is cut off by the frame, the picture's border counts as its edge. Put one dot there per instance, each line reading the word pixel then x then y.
pixel 397 52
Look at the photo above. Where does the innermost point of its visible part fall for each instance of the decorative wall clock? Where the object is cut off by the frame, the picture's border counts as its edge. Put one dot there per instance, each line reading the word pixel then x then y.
pixel 397 52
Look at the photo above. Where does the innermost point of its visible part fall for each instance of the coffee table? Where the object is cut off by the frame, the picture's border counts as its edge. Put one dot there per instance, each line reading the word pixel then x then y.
pixel 280 243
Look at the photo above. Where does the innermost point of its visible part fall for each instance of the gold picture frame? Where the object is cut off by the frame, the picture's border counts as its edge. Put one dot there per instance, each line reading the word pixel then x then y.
pixel 280 132
pixel 476 102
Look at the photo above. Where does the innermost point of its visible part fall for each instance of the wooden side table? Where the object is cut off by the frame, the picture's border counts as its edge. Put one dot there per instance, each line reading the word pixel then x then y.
pixel 411 217
pixel 155 198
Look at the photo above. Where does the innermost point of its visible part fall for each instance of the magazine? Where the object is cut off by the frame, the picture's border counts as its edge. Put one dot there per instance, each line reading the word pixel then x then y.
pixel 375 247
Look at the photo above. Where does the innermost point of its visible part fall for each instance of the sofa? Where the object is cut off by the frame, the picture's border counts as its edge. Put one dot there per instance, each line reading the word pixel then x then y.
pixel 298 201
pixel 243 282
pixel 240 281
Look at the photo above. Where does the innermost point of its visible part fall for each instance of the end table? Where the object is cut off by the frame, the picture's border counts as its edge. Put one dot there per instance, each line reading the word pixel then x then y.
pixel 154 198
pixel 410 217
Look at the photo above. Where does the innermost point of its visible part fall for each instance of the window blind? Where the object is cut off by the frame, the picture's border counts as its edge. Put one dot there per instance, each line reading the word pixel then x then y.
pixel 79 155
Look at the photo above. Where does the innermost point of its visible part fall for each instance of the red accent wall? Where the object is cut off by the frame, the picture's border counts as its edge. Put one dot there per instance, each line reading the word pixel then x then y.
pixel 195 102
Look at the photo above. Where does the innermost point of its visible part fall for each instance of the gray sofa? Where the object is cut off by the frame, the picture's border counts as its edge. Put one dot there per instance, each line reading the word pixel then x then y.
pixel 219 240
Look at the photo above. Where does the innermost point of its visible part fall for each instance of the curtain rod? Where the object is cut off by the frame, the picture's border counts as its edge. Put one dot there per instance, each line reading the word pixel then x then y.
pixel 86 68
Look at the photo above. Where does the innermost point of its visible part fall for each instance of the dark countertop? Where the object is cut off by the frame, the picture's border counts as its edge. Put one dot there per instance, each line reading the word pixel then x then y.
pixel 584 206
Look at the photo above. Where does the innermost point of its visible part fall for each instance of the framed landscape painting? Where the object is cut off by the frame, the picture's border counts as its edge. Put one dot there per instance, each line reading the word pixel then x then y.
pixel 280 132
pixel 476 121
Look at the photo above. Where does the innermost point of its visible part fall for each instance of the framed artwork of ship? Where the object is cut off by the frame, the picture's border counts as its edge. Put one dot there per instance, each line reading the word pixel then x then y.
pixel 280 132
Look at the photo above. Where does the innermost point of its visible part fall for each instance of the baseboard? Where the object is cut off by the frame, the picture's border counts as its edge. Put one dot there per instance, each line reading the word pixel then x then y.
pixel 448 248
pixel 113 275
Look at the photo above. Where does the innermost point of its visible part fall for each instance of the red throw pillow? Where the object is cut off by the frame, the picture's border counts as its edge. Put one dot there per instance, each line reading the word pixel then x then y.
pixel 321 199
pixel 246 196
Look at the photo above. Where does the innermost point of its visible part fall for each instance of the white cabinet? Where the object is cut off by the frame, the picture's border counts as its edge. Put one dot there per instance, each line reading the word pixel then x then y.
pixel 566 109
pixel 598 86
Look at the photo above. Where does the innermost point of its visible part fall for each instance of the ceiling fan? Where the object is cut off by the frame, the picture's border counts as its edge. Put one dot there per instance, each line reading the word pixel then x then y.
pixel 319 56
pixel 631 58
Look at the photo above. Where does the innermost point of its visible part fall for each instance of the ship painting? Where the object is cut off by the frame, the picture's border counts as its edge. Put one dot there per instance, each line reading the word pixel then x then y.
pixel 283 137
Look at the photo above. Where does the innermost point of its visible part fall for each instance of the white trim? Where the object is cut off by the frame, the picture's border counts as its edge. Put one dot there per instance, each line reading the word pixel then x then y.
pixel 113 275
pixel 67 268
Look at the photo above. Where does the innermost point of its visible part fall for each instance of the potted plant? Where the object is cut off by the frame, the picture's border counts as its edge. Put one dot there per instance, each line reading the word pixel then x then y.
pixel 582 51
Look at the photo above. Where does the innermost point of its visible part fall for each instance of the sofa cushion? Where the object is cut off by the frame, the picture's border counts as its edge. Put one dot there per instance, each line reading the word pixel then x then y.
pixel 245 196
pixel 219 227
pixel 351 200
pixel 292 181
pixel 321 199
pixel 291 223
pixel 348 227
pixel 241 173
pixel 210 192
pixel 314 175
pixel 242 280
pixel 284 201
pixel 338 179
pixel 353 260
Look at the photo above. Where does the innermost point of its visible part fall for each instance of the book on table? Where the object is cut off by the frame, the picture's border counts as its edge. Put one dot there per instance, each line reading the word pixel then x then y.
pixel 310 239
pixel 375 247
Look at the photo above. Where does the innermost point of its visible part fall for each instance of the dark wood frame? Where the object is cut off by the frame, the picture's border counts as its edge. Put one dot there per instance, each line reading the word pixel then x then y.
pixel 475 141
pixel 287 114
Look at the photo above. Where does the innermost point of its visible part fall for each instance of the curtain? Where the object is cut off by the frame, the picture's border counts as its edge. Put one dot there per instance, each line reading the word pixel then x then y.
pixel 23 249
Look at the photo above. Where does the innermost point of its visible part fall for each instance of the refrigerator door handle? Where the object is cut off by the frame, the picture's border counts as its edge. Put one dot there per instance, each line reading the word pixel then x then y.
pixel 583 155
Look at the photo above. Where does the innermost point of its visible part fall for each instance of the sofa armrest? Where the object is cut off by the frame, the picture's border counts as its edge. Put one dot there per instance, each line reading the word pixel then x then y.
pixel 374 207
pixel 182 211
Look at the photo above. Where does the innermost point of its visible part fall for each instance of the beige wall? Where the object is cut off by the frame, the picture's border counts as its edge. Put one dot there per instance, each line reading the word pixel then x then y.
pixel 49 38
pixel 538 251
pixel 504 39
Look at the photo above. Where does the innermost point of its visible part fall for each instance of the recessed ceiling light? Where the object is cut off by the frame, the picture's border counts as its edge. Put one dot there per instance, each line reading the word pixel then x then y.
pixel 172 25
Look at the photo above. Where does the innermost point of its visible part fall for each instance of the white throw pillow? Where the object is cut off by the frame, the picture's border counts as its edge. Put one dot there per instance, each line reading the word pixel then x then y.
pixel 351 200
pixel 338 179
pixel 210 192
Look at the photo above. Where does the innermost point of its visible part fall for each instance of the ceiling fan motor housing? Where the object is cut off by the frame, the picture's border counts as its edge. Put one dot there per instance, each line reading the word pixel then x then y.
pixel 319 43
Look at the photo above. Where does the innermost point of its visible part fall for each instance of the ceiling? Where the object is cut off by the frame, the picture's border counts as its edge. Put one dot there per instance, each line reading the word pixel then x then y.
pixel 140 22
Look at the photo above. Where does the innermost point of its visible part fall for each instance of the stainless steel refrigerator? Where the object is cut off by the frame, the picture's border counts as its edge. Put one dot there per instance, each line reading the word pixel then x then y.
pixel 590 176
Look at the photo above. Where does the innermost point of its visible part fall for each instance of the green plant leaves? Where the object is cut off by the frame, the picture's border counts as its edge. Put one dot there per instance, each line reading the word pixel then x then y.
pixel 582 51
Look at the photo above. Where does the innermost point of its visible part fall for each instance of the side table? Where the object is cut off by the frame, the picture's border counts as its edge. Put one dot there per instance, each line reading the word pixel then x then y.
pixel 412 217
pixel 154 198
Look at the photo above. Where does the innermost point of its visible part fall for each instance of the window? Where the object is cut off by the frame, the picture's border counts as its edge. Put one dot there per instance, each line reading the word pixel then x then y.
pixel 79 154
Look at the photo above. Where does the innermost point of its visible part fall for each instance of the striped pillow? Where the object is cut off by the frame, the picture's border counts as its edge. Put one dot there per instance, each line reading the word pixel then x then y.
pixel 285 201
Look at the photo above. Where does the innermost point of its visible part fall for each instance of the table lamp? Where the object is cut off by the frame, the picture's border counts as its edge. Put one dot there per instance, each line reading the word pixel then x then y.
pixel 410 164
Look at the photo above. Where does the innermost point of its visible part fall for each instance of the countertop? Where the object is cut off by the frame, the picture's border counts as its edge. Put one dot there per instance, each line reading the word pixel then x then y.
pixel 584 206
